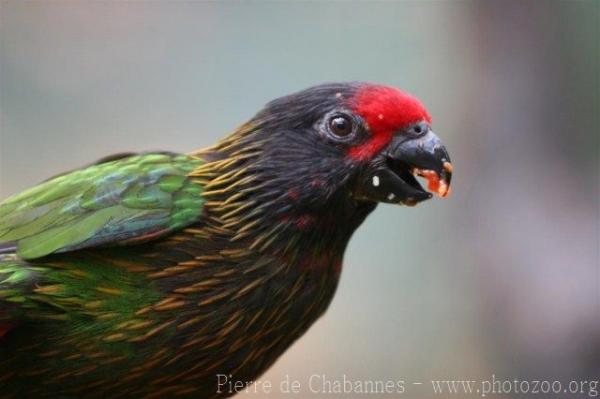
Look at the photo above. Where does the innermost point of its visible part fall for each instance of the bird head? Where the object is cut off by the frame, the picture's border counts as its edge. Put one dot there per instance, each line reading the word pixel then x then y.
pixel 323 155
pixel 367 141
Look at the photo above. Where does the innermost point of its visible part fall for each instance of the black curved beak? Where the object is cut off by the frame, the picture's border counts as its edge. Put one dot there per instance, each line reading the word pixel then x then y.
pixel 391 176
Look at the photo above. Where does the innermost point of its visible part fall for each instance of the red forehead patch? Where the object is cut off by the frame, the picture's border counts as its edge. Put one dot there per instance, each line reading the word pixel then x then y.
pixel 386 110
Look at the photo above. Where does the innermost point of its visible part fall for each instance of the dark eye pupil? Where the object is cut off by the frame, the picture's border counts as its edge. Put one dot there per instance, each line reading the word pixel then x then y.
pixel 341 126
pixel 418 129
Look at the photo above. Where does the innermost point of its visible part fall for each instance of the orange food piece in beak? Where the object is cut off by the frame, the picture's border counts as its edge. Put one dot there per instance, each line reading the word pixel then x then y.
pixel 434 183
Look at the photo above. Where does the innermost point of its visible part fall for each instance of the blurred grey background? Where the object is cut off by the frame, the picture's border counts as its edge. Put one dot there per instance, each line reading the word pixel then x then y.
pixel 502 278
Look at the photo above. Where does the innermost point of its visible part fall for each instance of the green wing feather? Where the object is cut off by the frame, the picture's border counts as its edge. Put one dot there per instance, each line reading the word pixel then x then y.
pixel 124 201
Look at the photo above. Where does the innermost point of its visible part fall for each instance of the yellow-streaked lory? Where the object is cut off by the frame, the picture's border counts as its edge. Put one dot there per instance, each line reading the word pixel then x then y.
pixel 147 275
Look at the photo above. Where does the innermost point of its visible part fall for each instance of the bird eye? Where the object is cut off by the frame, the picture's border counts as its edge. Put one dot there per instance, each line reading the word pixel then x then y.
pixel 418 129
pixel 340 125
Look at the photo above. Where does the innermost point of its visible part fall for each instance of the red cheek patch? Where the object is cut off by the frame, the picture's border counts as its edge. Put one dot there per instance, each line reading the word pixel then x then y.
pixel 3 330
pixel 385 110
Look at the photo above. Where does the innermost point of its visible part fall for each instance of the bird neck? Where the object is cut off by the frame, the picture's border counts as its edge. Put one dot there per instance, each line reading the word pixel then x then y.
pixel 276 204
